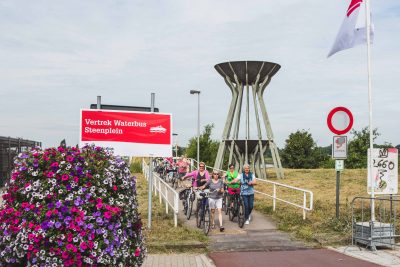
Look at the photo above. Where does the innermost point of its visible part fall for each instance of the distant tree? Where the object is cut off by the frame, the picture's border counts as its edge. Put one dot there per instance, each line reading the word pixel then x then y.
pixel 208 147
pixel 301 151
pixel 357 154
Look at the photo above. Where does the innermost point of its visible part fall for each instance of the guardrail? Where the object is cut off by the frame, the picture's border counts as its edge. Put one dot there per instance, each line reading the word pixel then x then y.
pixel 165 192
pixel 274 196
pixel 307 202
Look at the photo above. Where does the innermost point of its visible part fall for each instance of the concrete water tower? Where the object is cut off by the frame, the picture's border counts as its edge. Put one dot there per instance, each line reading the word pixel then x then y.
pixel 246 138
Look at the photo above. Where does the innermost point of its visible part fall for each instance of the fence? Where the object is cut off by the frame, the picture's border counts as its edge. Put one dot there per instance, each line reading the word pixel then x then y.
pixel 165 192
pixel 382 230
pixel 304 200
pixel 9 148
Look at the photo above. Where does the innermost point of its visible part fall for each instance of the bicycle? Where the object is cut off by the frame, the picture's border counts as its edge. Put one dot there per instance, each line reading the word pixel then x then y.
pixel 203 215
pixel 237 210
pixel 188 202
pixel 174 178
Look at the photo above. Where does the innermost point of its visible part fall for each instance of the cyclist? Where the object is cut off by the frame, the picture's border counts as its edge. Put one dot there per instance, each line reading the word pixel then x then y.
pixel 247 180
pixel 233 187
pixel 183 167
pixel 199 177
pixel 215 198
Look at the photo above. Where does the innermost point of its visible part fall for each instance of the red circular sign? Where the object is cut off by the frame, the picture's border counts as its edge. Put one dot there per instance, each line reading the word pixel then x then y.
pixel 330 124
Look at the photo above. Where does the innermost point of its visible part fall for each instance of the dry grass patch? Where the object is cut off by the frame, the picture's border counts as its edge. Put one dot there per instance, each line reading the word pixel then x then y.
pixel 321 225
pixel 163 236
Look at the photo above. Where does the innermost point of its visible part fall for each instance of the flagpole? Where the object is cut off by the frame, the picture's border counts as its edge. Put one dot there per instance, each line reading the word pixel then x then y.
pixel 371 137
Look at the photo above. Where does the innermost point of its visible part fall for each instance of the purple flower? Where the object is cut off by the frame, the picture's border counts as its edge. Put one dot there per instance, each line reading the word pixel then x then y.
pixel 57 225
pixel 50 205
pixel 90 226
pixel 44 225
pixel 58 204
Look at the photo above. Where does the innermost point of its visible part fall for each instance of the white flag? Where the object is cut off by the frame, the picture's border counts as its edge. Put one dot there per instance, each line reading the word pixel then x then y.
pixel 353 29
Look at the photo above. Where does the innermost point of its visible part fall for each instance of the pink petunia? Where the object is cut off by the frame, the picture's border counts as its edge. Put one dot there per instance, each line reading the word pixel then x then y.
pixel 65 177
pixel 107 215
pixel 137 252
pixel 83 246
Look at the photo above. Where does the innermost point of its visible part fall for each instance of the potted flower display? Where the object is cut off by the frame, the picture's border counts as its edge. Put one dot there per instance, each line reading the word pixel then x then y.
pixel 67 206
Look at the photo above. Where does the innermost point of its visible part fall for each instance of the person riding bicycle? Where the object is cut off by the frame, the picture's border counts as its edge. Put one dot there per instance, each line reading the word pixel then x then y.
pixel 215 198
pixel 233 185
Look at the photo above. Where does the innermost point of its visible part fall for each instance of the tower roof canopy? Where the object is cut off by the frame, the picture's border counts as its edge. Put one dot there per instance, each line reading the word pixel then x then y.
pixel 251 68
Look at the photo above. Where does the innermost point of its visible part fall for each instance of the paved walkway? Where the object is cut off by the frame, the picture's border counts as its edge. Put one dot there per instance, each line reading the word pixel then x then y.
pixel 178 260
pixel 298 258
pixel 383 256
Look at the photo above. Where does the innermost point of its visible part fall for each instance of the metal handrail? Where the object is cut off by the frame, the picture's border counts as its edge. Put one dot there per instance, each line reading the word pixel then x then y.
pixel 158 183
pixel 274 197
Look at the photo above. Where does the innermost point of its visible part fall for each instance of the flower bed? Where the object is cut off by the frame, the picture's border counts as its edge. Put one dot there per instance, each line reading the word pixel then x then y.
pixel 70 207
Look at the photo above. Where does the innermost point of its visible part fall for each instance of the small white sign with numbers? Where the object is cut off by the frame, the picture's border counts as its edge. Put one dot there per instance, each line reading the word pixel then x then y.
pixel 384 171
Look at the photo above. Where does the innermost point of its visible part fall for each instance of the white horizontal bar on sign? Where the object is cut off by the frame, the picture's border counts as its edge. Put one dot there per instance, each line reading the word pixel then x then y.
pixel 134 149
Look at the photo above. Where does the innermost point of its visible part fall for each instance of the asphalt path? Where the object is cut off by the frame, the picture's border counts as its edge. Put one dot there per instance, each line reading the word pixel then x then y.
pixel 261 244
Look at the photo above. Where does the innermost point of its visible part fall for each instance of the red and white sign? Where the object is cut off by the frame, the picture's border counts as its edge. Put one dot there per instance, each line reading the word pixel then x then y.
pixel 340 120
pixel 129 133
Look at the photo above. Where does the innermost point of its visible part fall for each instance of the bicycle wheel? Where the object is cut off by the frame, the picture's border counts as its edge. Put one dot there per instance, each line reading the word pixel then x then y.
pixel 241 213
pixel 190 207
pixel 207 220
pixel 184 203
pixel 227 204
pixel 199 216
pixel 233 210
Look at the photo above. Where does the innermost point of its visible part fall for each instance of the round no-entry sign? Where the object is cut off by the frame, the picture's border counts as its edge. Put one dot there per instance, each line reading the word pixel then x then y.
pixel 340 120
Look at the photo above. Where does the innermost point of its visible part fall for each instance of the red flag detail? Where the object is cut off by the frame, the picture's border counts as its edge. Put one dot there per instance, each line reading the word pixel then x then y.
pixel 353 6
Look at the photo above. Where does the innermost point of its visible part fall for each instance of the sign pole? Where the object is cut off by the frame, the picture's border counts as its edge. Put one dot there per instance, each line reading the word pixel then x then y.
pixel 98 106
pixel 150 172
pixel 337 193
pixel 371 137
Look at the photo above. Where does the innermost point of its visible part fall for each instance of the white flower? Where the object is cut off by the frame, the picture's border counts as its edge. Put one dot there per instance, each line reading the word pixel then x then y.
pixel 28 188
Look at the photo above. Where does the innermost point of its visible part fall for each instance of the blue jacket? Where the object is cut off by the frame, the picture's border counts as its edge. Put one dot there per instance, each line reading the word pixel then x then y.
pixel 246 189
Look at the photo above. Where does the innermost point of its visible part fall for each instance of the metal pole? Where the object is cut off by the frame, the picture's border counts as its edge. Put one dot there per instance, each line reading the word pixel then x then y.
pixel 337 193
pixel 198 129
pixel 371 137
pixel 151 172
pixel 98 102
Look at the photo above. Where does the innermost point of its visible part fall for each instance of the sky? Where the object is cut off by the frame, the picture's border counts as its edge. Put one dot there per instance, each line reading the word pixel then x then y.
pixel 56 57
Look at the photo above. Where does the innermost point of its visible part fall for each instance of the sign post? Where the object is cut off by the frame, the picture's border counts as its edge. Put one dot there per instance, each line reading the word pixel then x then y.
pixel 340 121
pixel 129 133
pixel 151 173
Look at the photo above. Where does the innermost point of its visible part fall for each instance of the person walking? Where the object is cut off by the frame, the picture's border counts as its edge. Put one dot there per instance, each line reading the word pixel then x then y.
pixel 199 177
pixel 232 183
pixel 247 180
pixel 216 186
pixel 183 167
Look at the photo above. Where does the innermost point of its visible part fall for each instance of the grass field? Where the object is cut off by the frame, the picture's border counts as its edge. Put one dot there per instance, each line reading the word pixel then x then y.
pixel 163 236
pixel 321 226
